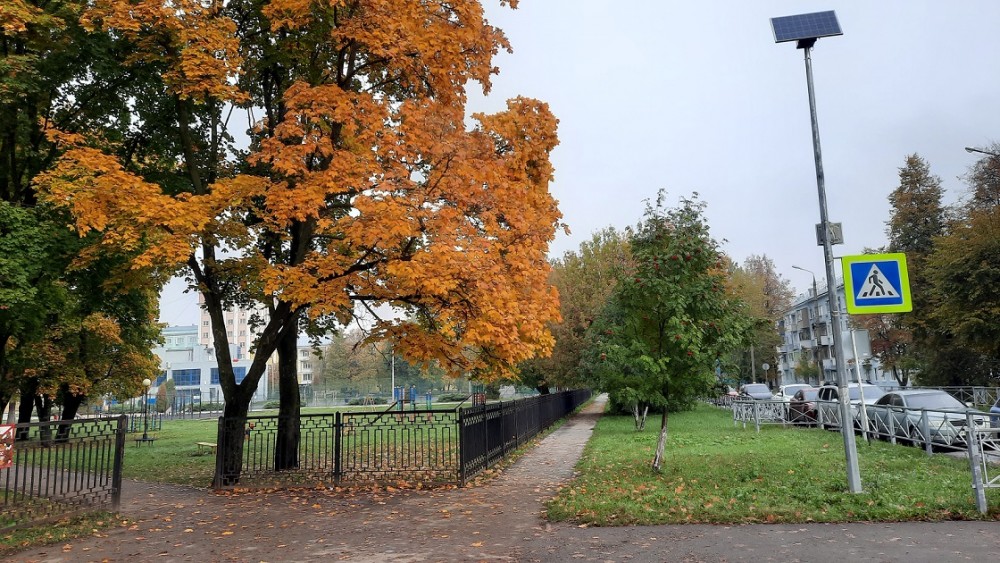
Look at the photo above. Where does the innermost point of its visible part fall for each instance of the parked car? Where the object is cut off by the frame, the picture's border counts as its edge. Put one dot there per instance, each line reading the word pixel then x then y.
pixel 786 392
pixel 802 406
pixel 756 391
pixel 901 412
pixel 829 402
pixel 995 414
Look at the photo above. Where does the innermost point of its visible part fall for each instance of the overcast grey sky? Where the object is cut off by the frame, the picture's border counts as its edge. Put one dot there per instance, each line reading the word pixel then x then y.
pixel 697 97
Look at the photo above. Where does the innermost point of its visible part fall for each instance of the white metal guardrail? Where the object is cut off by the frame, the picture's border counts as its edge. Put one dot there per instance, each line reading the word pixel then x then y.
pixel 984 454
pixel 933 430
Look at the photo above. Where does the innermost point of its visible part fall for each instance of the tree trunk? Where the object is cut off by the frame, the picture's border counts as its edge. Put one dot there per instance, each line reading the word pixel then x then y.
pixel 286 447
pixel 639 412
pixel 43 404
pixel 231 439
pixel 29 386
pixel 661 443
pixel 71 405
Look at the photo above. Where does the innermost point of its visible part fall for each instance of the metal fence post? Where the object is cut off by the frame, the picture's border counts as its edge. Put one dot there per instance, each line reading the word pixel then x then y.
pixel 975 464
pixel 460 421
pixel 220 449
pixel 338 430
pixel 925 430
pixel 116 473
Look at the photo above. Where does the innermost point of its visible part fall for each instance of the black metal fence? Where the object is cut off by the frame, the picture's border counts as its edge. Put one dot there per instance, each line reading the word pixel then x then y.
pixel 413 446
pixel 62 468
pixel 490 432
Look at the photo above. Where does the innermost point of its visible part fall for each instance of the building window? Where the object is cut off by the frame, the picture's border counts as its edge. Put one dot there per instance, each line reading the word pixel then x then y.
pixel 204 323
pixel 187 377
pixel 305 365
pixel 307 378
pixel 239 371
pixel 204 335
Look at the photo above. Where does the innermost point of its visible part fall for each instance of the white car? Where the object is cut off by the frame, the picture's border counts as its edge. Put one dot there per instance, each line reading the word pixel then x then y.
pixel 786 392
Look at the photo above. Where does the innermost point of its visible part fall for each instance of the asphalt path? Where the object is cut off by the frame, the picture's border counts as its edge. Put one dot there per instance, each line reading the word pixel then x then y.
pixel 497 520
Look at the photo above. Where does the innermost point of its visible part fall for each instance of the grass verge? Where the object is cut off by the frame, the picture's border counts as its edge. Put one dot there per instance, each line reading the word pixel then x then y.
pixel 62 530
pixel 715 472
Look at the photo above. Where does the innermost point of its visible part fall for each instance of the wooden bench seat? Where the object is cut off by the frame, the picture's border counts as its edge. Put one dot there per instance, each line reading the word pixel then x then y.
pixel 202 446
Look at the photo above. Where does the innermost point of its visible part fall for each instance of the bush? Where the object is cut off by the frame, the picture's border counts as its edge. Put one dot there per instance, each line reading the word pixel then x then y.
pixel 165 395
pixel 358 401
pixel 202 407
pixel 272 404
pixel 451 397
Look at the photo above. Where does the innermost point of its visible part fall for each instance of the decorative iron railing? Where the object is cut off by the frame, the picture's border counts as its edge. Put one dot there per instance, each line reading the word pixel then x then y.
pixel 424 446
pixel 61 468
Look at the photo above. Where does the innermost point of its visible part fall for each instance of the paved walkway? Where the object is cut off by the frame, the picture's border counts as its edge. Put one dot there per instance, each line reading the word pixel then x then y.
pixel 498 521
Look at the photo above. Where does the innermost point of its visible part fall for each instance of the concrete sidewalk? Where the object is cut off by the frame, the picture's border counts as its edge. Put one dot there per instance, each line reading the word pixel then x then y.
pixel 497 521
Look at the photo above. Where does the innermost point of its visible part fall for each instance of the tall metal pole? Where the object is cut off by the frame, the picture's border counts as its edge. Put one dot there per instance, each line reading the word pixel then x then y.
pixel 145 414
pixel 846 426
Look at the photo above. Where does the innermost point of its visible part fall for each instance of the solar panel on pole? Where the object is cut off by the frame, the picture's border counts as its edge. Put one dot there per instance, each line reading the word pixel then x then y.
pixel 805 26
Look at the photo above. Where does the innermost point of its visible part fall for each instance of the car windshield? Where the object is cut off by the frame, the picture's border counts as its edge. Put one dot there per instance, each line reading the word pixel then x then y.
pixel 871 393
pixel 933 401
pixel 791 389
pixel 756 388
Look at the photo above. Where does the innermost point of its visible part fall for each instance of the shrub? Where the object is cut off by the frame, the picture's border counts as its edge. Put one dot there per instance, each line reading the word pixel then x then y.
pixel 451 397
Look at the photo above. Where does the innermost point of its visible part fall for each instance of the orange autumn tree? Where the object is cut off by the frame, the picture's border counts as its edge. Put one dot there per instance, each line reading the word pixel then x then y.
pixel 362 183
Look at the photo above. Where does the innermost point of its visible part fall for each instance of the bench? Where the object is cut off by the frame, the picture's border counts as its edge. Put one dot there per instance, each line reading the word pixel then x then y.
pixel 203 446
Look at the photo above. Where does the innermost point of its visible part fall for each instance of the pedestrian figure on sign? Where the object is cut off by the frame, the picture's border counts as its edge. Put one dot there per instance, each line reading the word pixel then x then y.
pixel 877 286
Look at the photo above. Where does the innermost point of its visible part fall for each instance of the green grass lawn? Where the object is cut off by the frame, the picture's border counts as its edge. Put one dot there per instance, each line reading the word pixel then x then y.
pixel 173 457
pixel 716 472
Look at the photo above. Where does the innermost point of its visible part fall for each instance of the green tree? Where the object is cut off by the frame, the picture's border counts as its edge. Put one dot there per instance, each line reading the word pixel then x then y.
pixel 55 74
pixel 964 274
pixel 585 280
pixel 767 296
pixel 904 343
pixel 165 395
pixel 673 316
pixel 808 371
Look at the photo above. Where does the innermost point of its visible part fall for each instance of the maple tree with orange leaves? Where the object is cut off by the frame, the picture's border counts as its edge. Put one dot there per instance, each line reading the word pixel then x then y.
pixel 362 184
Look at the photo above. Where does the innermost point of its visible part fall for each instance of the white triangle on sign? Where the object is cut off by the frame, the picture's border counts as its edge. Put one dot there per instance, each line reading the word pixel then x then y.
pixel 876 286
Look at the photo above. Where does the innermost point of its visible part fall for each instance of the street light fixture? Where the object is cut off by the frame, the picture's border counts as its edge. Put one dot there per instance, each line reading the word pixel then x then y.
pixel 805 29
pixel 145 409
pixel 982 151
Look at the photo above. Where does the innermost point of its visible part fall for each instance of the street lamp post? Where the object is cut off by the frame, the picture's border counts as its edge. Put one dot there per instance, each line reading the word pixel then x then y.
pixel 145 409
pixel 815 311
pixel 805 29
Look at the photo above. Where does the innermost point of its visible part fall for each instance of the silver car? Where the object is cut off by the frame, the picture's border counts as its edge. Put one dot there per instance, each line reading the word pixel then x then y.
pixel 756 391
pixel 901 414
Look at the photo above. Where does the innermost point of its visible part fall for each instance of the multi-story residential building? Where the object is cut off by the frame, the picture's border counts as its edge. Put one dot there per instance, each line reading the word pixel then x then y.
pixel 239 329
pixel 807 338
pixel 189 359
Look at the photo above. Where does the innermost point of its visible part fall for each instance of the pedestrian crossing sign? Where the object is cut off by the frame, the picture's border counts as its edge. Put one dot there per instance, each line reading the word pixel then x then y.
pixel 876 283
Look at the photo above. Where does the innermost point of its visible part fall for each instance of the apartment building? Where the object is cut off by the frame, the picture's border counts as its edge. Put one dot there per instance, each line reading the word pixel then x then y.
pixel 806 331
